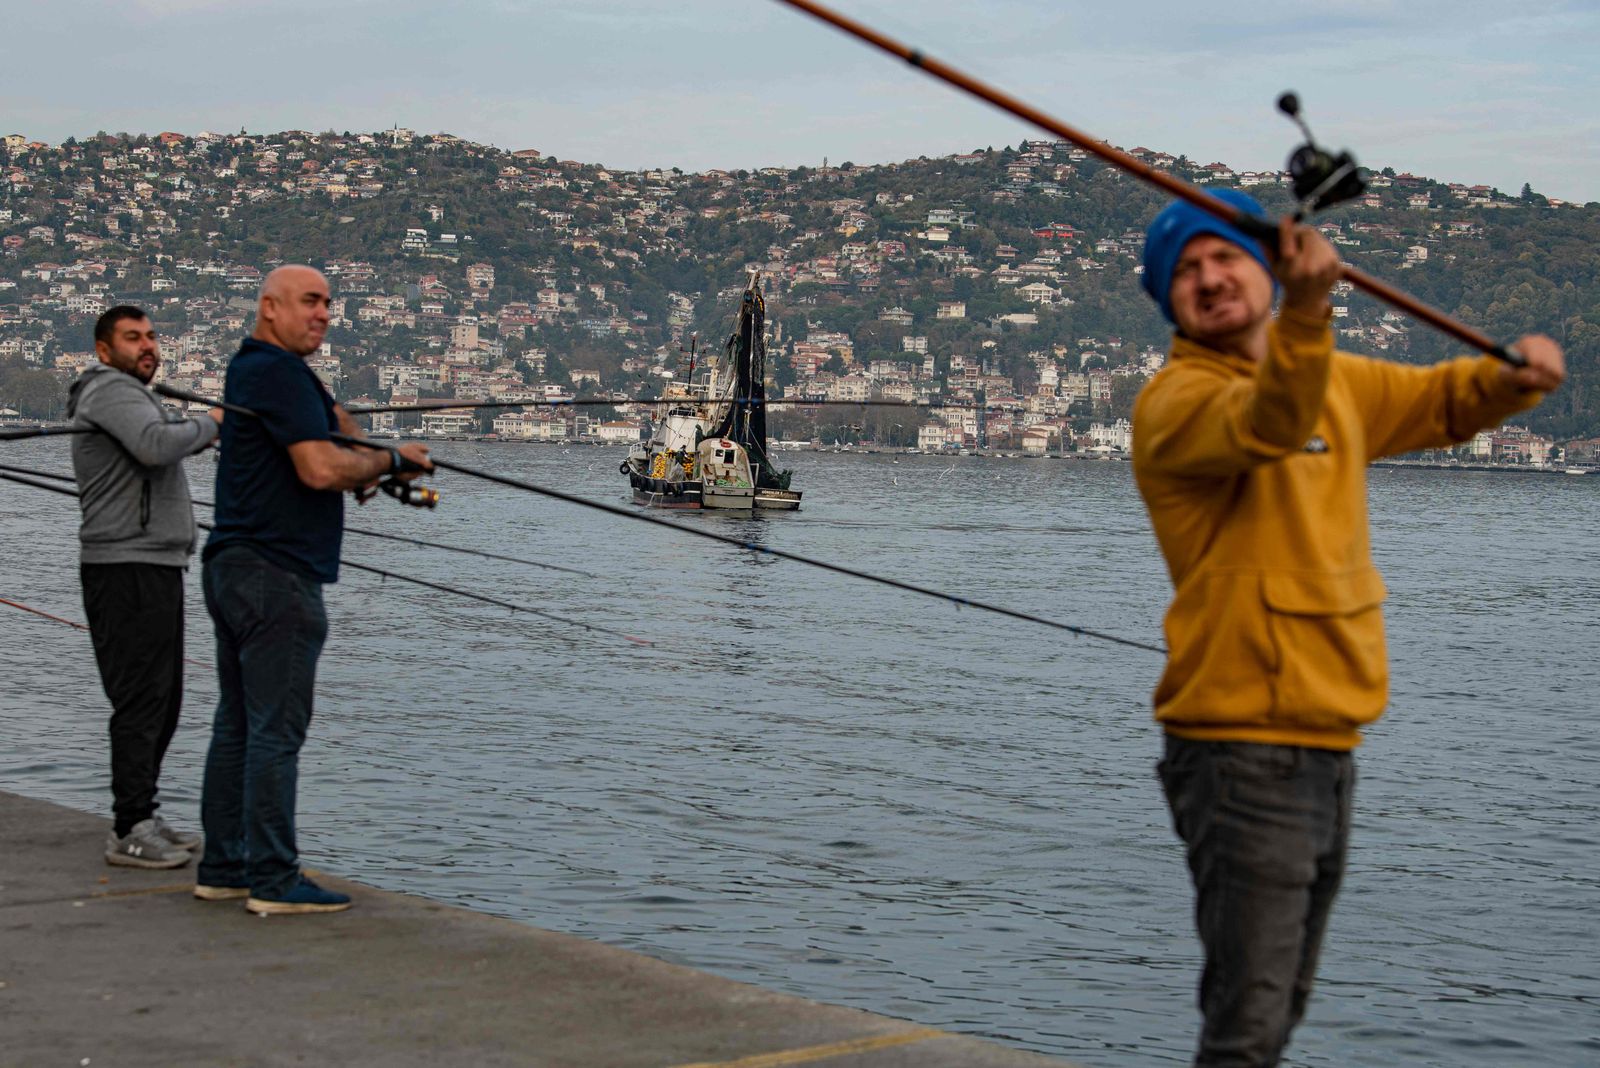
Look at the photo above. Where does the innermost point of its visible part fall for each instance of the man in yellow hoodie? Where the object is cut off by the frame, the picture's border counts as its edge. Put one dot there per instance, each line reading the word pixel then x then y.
pixel 1250 450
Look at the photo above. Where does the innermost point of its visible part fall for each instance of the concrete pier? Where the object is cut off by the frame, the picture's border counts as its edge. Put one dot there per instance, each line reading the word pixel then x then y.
pixel 123 968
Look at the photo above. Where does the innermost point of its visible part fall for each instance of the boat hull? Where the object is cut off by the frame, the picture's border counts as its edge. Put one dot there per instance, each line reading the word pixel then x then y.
pixel 657 500
pixel 662 493
pixel 777 500
pixel 728 498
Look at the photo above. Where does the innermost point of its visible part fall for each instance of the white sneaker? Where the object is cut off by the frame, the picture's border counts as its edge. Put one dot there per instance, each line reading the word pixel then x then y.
pixel 182 839
pixel 144 847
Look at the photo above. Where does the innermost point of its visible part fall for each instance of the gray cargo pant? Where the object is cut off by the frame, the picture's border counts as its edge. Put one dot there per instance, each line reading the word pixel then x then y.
pixel 1266 828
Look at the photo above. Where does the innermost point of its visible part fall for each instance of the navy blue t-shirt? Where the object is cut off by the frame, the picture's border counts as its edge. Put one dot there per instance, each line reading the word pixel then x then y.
pixel 261 502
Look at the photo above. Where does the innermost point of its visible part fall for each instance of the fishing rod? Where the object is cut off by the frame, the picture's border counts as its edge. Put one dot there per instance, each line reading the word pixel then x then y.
pixel 790 402
pixel 43 431
pixel 415 496
pixel 57 476
pixel 1322 172
pixel 738 543
pixel 40 612
pixel 457 591
pixel 355 530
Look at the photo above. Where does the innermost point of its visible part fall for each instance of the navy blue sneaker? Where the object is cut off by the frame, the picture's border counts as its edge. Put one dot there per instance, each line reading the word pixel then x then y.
pixel 304 896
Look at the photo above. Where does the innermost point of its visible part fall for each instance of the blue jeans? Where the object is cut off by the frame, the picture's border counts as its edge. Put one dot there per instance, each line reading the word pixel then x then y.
pixel 1267 828
pixel 270 627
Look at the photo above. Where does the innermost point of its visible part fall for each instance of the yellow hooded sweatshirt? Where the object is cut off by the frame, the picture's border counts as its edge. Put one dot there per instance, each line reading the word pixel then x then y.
pixel 1255 480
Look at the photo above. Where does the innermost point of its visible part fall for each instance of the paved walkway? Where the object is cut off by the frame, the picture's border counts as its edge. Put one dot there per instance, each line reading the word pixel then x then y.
pixel 121 968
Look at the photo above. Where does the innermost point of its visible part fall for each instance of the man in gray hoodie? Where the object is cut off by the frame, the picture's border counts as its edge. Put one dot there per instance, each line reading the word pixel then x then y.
pixel 137 536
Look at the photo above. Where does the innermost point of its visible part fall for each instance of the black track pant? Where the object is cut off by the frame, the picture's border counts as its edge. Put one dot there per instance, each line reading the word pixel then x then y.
pixel 136 619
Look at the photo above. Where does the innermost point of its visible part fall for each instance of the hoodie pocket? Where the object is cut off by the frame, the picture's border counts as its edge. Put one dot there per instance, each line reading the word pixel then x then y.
pixel 1222 654
pixel 171 524
pixel 1328 630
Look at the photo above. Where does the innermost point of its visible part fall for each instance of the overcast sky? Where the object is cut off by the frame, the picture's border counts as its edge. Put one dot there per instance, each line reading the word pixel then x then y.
pixel 1474 91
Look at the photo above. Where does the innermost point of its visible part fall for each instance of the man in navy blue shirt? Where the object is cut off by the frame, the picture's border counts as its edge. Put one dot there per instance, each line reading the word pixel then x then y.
pixel 279 523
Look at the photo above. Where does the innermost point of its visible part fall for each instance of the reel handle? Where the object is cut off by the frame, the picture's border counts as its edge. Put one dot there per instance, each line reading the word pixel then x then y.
pixel 1289 104
pixel 1320 178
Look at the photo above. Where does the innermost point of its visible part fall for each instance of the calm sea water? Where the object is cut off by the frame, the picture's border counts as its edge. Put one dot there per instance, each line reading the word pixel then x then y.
pixel 870 798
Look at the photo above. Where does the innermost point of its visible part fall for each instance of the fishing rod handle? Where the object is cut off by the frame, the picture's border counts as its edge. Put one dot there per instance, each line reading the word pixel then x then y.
pixel 400 464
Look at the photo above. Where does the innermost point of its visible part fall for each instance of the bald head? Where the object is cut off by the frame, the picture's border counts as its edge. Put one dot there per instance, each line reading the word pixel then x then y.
pixel 292 312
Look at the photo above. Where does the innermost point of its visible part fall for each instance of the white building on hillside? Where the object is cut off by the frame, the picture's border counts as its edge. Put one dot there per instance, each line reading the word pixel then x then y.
pixel 1117 437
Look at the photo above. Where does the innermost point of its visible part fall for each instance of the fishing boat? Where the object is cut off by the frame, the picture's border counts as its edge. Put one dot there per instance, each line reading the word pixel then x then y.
pixel 709 446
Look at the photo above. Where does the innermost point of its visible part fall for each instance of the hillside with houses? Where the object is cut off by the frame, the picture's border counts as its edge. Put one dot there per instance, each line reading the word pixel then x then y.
pixel 1006 277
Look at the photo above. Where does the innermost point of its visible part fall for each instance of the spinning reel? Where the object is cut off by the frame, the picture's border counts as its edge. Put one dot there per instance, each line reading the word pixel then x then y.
pixel 404 492
pixel 1321 179
pixel 410 493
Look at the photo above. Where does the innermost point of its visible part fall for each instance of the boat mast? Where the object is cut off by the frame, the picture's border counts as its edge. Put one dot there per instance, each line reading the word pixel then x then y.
pixel 746 420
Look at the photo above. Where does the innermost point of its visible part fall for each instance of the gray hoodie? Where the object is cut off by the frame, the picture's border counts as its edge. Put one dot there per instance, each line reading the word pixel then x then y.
pixel 135 498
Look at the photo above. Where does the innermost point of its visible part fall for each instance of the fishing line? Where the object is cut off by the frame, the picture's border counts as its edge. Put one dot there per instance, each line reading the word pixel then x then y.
pixel 959 602
pixel 1261 229
pixel 455 549
pixel 738 543
pixel 457 591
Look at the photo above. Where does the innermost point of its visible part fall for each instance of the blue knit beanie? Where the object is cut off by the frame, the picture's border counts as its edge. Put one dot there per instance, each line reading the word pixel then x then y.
pixel 1178 224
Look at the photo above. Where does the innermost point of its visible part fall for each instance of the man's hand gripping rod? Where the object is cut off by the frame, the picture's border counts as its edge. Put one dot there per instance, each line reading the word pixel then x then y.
pixel 1261 229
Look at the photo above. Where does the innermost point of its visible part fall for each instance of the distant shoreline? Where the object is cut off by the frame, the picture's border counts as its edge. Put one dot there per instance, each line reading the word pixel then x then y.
pixel 986 454
pixel 1514 469
pixel 1016 454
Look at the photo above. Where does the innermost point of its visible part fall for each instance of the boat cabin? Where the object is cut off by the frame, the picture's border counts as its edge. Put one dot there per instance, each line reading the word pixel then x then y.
pixel 724 463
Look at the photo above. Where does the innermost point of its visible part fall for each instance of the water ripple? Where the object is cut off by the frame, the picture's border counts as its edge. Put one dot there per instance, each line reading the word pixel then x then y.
pixel 873 799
